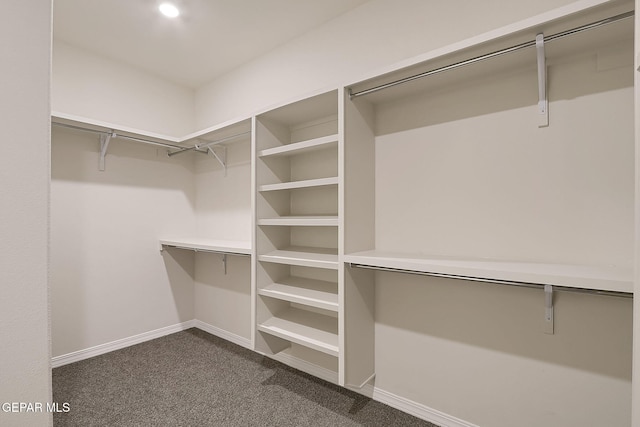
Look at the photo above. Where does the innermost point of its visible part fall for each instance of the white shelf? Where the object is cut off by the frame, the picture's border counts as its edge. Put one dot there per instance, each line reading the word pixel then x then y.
pixel 301 147
pixel 551 22
pixel 574 276
pixel 320 182
pixel 320 370
pixel 209 245
pixel 306 328
pixel 309 221
pixel 304 257
pixel 315 293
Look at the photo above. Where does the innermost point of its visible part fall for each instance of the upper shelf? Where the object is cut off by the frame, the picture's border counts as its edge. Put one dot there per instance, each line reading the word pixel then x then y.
pixel 301 147
pixel 223 132
pixel 233 247
pixel 320 182
pixel 563 19
pixel 612 279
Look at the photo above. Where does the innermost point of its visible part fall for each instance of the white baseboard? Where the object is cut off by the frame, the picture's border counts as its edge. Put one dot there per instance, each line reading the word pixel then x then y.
pixel 410 407
pixel 221 333
pixel 87 353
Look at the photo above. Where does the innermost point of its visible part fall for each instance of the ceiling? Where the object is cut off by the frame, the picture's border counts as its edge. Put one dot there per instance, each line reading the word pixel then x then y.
pixel 208 39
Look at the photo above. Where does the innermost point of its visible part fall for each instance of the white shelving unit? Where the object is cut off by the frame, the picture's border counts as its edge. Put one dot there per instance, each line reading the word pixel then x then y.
pixel 297 265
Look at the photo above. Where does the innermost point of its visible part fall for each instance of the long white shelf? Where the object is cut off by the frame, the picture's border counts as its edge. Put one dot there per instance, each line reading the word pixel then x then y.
pixel 237 125
pixel 301 147
pixel 320 182
pixel 306 328
pixel 304 257
pixel 309 221
pixel 237 247
pixel 315 293
pixel 613 279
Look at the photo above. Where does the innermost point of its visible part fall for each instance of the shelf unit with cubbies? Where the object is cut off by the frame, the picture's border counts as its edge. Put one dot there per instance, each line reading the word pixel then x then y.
pixel 297 234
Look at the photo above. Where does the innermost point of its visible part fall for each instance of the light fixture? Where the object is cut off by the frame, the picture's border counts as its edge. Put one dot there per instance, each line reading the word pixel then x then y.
pixel 169 10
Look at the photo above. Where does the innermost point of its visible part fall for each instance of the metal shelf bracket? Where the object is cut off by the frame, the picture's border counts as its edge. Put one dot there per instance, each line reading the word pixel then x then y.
pixel 548 309
pixel 221 155
pixel 543 102
pixel 104 145
pixel 224 262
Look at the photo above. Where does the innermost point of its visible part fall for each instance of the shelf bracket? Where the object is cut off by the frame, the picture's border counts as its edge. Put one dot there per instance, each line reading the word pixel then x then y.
pixel 104 145
pixel 543 102
pixel 548 309
pixel 224 262
pixel 221 156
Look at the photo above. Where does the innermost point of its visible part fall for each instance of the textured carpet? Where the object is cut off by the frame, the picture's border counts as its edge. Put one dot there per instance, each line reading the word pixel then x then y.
pixel 192 378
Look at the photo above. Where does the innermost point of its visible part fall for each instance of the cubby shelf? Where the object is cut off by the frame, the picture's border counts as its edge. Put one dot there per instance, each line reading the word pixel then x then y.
pixel 330 141
pixel 309 221
pixel 309 183
pixel 573 276
pixel 311 292
pixel 313 330
pixel 303 256
pixel 327 373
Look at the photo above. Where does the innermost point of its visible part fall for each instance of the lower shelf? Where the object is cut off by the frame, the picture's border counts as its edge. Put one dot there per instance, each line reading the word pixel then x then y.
pixel 315 293
pixel 321 368
pixel 613 279
pixel 303 256
pixel 306 328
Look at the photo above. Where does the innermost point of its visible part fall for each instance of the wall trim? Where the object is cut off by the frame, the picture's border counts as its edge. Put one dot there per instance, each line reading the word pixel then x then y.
pixel 414 408
pixel 97 350
pixel 221 333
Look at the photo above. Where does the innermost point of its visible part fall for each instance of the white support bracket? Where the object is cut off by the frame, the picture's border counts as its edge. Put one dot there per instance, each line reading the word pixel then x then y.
pixel 220 156
pixel 104 145
pixel 543 102
pixel 548 309
pixel 224 262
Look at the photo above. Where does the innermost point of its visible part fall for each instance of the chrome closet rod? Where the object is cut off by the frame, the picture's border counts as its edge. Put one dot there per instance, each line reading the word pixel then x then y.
pixel 209 143
pixel 101 132
pixel 495 281
pixel 492 54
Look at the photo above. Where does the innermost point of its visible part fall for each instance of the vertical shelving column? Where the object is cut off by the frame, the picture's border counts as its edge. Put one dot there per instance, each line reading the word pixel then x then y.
pixel 297 182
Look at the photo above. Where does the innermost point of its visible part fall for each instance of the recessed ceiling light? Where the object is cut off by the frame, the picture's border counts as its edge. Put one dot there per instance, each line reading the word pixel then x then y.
pixel 169 10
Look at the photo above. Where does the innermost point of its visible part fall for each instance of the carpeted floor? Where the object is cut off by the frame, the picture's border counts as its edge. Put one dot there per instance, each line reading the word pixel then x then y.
pixel 192 378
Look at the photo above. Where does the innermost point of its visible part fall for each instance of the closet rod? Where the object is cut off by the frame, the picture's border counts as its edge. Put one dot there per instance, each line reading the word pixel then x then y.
pixel 209 143
pixel 492 54
pixel 495 281
pixel 145 141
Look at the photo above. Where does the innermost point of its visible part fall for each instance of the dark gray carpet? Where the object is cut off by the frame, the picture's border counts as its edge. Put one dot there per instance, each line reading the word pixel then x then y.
pixel 192 378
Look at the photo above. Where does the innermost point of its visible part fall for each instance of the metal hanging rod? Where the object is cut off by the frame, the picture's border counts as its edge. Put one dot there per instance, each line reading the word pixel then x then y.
pixel 220 141
pixel 116 135
pixel 207 144
pixel 500 52
pixel 495 281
